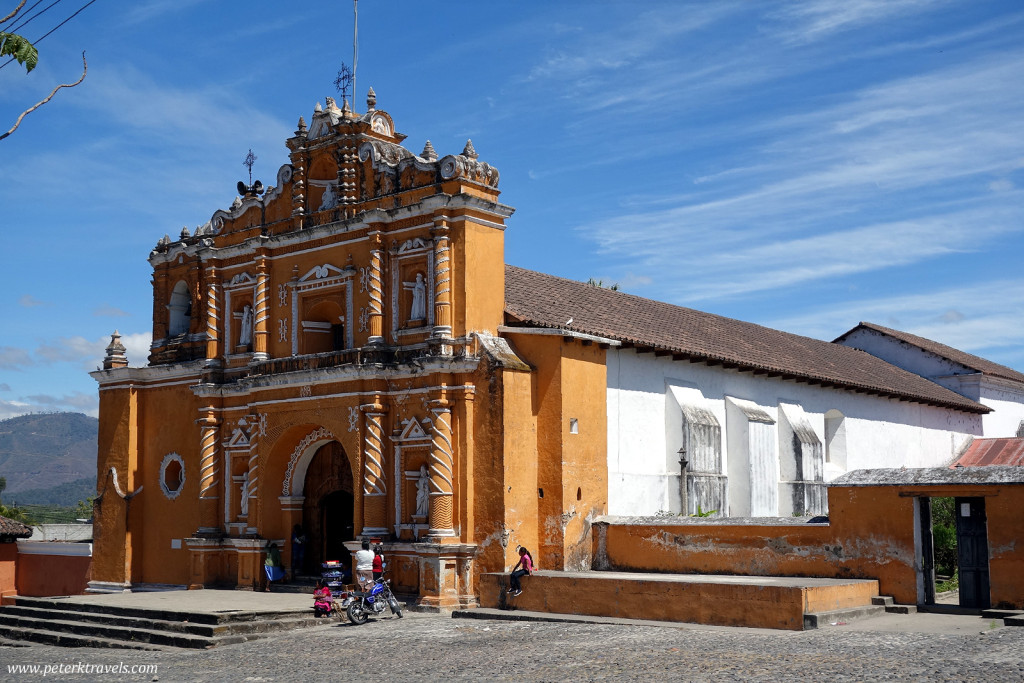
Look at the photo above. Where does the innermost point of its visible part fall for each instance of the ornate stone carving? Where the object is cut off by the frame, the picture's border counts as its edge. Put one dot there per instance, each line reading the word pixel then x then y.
pixel 320 434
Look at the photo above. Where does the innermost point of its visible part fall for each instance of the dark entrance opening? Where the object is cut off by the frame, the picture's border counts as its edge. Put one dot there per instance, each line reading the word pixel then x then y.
pixel 336 524
pixel 954 552
pixel 328 509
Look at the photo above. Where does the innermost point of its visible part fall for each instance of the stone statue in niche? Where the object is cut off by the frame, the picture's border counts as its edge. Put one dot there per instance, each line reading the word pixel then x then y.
pixel 243 502
pixel 330 199
pixel 245 338
pixel 423 493
pixel 418 310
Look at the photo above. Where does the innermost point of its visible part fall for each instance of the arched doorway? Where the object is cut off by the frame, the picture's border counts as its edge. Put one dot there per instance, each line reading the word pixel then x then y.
pixel 327 512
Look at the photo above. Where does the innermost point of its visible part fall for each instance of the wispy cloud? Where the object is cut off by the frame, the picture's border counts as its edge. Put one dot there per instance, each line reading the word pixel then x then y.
pixel 829 194
pixel 968 318
pixel 29 301
pixel 73 402
pixel 107 311
pixel 4 386
pixel 812 20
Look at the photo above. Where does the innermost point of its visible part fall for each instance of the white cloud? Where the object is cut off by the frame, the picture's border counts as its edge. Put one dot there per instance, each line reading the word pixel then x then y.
pixel 137 348
pixel 9 409
pixel 809 209
pixel 969 318
pixel 13 358
pixel 75 402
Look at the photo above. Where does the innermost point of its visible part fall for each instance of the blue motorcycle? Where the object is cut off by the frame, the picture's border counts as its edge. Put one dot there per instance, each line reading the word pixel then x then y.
pixel 373 603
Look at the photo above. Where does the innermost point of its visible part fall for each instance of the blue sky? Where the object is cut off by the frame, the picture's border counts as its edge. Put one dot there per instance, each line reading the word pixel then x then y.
pixel 802 165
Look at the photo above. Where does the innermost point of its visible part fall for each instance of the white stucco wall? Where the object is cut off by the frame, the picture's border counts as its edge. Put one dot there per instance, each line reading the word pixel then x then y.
pixel 644 427
pixel 1005 397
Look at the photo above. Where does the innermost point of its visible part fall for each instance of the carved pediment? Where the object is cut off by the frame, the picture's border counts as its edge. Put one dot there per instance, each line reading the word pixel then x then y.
pixel 242 279
pixel 238 439
pixel 322 272
pixel 415 244
pixel 412 430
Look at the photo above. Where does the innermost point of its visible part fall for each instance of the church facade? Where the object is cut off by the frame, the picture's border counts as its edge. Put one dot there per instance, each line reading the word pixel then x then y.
pixel 348 352
pixel 325 355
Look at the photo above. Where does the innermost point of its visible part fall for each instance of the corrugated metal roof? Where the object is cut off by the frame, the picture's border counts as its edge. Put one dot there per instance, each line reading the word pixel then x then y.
pixel 985 452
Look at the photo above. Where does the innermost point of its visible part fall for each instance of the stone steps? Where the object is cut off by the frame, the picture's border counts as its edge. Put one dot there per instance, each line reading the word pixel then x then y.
pixel 70 624
pixel 890 606
pixel 815 620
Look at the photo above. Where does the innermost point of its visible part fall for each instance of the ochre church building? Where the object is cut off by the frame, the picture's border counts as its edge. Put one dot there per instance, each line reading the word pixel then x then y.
pixel 348 352
pixel 326 354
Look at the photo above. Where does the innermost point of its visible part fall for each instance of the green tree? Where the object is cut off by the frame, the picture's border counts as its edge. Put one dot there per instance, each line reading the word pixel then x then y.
pixel 600 283
pixel 17 514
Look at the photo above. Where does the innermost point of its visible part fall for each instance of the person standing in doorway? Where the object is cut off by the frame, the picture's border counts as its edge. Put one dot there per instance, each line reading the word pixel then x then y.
pixel 364 566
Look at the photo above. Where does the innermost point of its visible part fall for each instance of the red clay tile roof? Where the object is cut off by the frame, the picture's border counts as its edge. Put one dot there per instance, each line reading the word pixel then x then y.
pixel 985 367
pixel 993 452
pixel 11 529
pixel 540 300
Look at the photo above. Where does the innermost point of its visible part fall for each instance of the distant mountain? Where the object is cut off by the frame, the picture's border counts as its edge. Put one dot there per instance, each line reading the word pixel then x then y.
pixel 46 450
pixel 66 495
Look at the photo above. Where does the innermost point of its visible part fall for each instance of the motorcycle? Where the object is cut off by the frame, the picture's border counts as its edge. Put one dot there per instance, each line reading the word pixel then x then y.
pixel 372 603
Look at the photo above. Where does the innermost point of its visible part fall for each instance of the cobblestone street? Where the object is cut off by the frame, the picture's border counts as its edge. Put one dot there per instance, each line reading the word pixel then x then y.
pixel 422 647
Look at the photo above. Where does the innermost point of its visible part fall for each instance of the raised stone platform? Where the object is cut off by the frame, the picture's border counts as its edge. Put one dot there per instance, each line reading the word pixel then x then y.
pixel 156 620
pixel 722 600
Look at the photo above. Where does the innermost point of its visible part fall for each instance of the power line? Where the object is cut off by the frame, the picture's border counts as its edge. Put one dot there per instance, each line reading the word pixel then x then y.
pixel 34 5
pixel 40 39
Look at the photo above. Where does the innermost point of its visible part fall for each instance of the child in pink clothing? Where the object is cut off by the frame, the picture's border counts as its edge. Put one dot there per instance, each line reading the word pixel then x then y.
pixel 526 562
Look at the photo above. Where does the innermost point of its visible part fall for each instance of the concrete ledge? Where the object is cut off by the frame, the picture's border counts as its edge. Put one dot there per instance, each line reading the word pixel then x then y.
pixel 822 619
pixel 751 601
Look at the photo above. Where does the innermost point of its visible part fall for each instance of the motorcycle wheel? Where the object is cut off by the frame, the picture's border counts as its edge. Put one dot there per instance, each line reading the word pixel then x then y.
pixel 396 609
pixel 356 614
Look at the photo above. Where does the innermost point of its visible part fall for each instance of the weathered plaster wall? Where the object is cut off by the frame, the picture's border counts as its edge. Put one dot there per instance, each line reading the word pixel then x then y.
pixel 644 434
pixel 870 535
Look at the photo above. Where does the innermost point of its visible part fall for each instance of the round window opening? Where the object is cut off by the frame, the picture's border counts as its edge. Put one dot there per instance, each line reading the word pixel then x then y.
pixel 172 475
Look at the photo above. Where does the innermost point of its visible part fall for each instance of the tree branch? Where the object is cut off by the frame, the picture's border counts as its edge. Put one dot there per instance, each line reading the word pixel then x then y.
pixel 12 14
pixel 85 68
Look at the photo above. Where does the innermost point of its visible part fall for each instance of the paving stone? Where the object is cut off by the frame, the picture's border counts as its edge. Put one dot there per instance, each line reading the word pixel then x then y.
pixel 437 647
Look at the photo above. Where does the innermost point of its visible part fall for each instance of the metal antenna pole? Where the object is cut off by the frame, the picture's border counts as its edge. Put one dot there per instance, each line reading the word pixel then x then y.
pixel 355 48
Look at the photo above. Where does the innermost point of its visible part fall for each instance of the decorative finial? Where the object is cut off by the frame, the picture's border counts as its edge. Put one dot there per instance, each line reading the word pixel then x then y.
pixel 317 109
pixel 343 83
pixel 185 234
pixel 468 151
pixel 115 357
pixel 344 107
pixel 371 100
pixel 302 127
pixel 428 152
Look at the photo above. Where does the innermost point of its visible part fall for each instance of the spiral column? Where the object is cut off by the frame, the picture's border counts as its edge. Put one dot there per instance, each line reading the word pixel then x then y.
pixel 375 485
pixel 209 472
pixel 442 472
